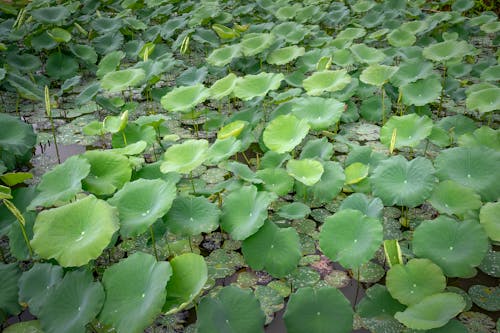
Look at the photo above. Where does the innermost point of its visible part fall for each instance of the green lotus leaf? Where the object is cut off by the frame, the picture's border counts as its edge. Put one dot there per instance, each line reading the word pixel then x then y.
pixel 490 27
pixel 286 12
pixel 25 87
pixel 84 52
pixel 251 86
pixel 135 292
pixel 377 75
pixel 189 275
pixel 274 249
pixel 16 136
pixel 224 55
pixel 491 73
pixel 31 326
pixel 488 216
pixel 378 303
pixel 77 297
pixel 457 247
pixel 355 172
pixel 276 180
pixel 405 183
pixel 105 25
pixel 184 157
pixel 223 87
pixel 410 130
pixel 14 178
pixel 51 15
pixel 351 33
pixel 232 129
pixel 132 149
pixel 446 51
pixel 401 38
pixel 421 92
pixel 108 172
pixel 59 35
pixel 320 113
pixel 291 32
pixel 190 216
pixel 192 76
pixel 240 170
pixel 323 310
pixel 62 183
pixel 35 284
pixel 476 168
pixel 317 148
pixel 462 5
pixel 326 81
pixel 24 62
pixel 451 198
pixel 141 203
pixel 252 206
pixel 123 79
pixel 222 149
pixel 487 298
pixel 329 185
pixel 306 171
pixel 9 275
pixel 411 283
pixel 284 133
pixel 359 201
pixel 350 237
pixel 367 54
pixel 254 43
pixel 284 55
pixel 133 133
pixel 432 312
pixel 109 63
pixel 75 233
pixel 484 101
pixel 183 99
pixel 294 211
pixel 61 66
pixel 231 310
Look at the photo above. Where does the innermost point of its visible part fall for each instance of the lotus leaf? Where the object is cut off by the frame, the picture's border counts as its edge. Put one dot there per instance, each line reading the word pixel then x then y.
pixel 25 87
pixel 252 206
pixel 320 113
pixel 350 237
pixel 61 66
pixel 133 133
pixel 400 182
pixel 306 171
pixel 185 157
pixel 410 130
pixel 446 51
pixel 377 75
pixel 485 297
pixel 355 173
pixel 276 180
pixel 9 276
pixel 359 201
pixel 224 55
pixel 291 32
pixel 109 63
pixel 284 133
pixel 123 79
pixel 232 129
pixel 75 233
pixel 485 100
pixel 190 216
pixel 16 137
pixel 192 76
pixel 457 247
pixel 77 297
pixel 421 92
pixel 222 149
pixel 490 27
pixel 367 54
pixel 189 274
pixel 284 55
pixel 352 33
pixel 84 52
pixel 251 86
pixel 241 170
pixel 491 73
pixel 183 99
pixel 254 43
pixel 488 216
pixel 105 25
pixel 274 249
pixel 326 81
pixel 24 62
pixel 484 136
pixel 31 326
pixel 294 211
pixel 323 310
pixel 378 303
pixel 231 310
pixel 329 185
pixel 223 87
pixel 450 198
pixel 401 38
pixel 476 168
pixel 135 292
pixel 59 35
pixel 51 15
pixel 319 148
pixel 432 312
pixel 108 172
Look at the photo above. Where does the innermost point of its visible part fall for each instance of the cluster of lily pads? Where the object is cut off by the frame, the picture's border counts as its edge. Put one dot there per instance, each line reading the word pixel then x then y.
pixel 254 157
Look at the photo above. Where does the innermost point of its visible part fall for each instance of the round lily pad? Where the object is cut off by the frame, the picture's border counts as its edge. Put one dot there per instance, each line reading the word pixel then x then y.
pixel 378 303
pixel 190 216
pixel 251 86
pixel 294 210
pixel 377 75
pixel 421 92
pixel 326 81
pixel 367 54
pixel 184 99
pixel 369 272
pixel 61 66
pixel 450 198
pixel 285 54
pixel 284 133
pixel 484 100
pixel 224 55
pixel 447 50
pixel 254 43
pixel 487 298
pixel 51 15
pixel 317 148
pixel 488 216
pixel 123 79
pixel 276 180
pixel 411 71
pixel 401 38
pixel 108 172
pixel 184 157
pixel 9 277
pixel 370 207
pixel 306 171
pixel 223 87
pixel 329 185
pixel 320 113
pixel 410 130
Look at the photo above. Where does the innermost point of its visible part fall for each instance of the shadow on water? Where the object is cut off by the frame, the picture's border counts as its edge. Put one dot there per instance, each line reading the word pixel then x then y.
pixel 65 151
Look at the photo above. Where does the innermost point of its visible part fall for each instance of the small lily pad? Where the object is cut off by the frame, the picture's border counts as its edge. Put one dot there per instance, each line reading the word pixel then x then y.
pixel 326 81
pixel 487 298
pixel 183 99
pixel 284 133
pixel 306 171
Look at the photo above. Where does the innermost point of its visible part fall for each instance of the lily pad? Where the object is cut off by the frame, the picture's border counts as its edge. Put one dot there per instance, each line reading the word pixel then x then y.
pixel 421 92
pixel 190 216
pixel 488 216
pixel 276 180
pixel 284 133
pixel 487 298
pixel 51 15
pixel 123 79
pixel 224 55
pixel 306 171
pixel 329 185
pixel 108 172
pixel 370 207
pixel 285 55
pixel 447 50
pixel 484 100
pixel 31 326
pixel 9 276
pixel 223 87
pixel 450 198
pixel 61 66
pixel 367 54
pixel 183 99
pixel 184 157
pixel 377 75
pixel 251 86
pixel 255 43
pixel 378 303
pixel 401 38
pixel 320 113
pixel 410 130
pixel 294 211
pixel 326 81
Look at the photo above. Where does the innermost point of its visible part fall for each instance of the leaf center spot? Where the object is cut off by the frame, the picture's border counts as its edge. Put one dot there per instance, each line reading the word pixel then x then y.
pixel 318 313
pixel 468 175
pixel 451 248
pixel 143 295
pixel 405 181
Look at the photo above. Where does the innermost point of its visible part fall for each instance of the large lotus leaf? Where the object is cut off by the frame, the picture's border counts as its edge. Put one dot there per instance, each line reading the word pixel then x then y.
pixel 123 79
pixel 84 52
pixel 488 216
pixel 273 249
pixel 16 136
pixel 231 310
pixel 450 198
pixel 476 168
pixel 133 133
pixel 401 38
pixel 350 237
pixel 285 54
pixel 306 171
pixel 109 63
pixel 251 213
pixel 24 62
pixel 31 326
pixel 25 87
pixel 106 25
pixel 411 283
pixel 410 130
pixel 491 73
pixel 61 66
pixel 294 211
pixel 421 92
pixel 351 33
pixel 183 99
pixel 223 87
pixel 254 43
pixel 276 180
pixel 329 185
pixel 291 32
pixel 224 55
pixel 323 310
pixel 447 50
pixel 320 113
pixel 355 172
pixel 405 183
pixel 108 172
pixel 62 183
pixel 326 81
pixel 379 303
pixel 51 15
pixel 359 201
pixel 484 136
pixel 140 203
pixel 432 312
pixel 251 86
pixel 284 133
pixel 457 247
pixel 189 274
pixel 184 157
pixel 75 233
pixel 135 292
pixel 35 284
pixel 190 216
pixel 77 297
pixel 317 148
pixel 367 54
pixel 484 100
pixel 9 275
pixel 222 149
pixel 411 71
pixel 377 75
